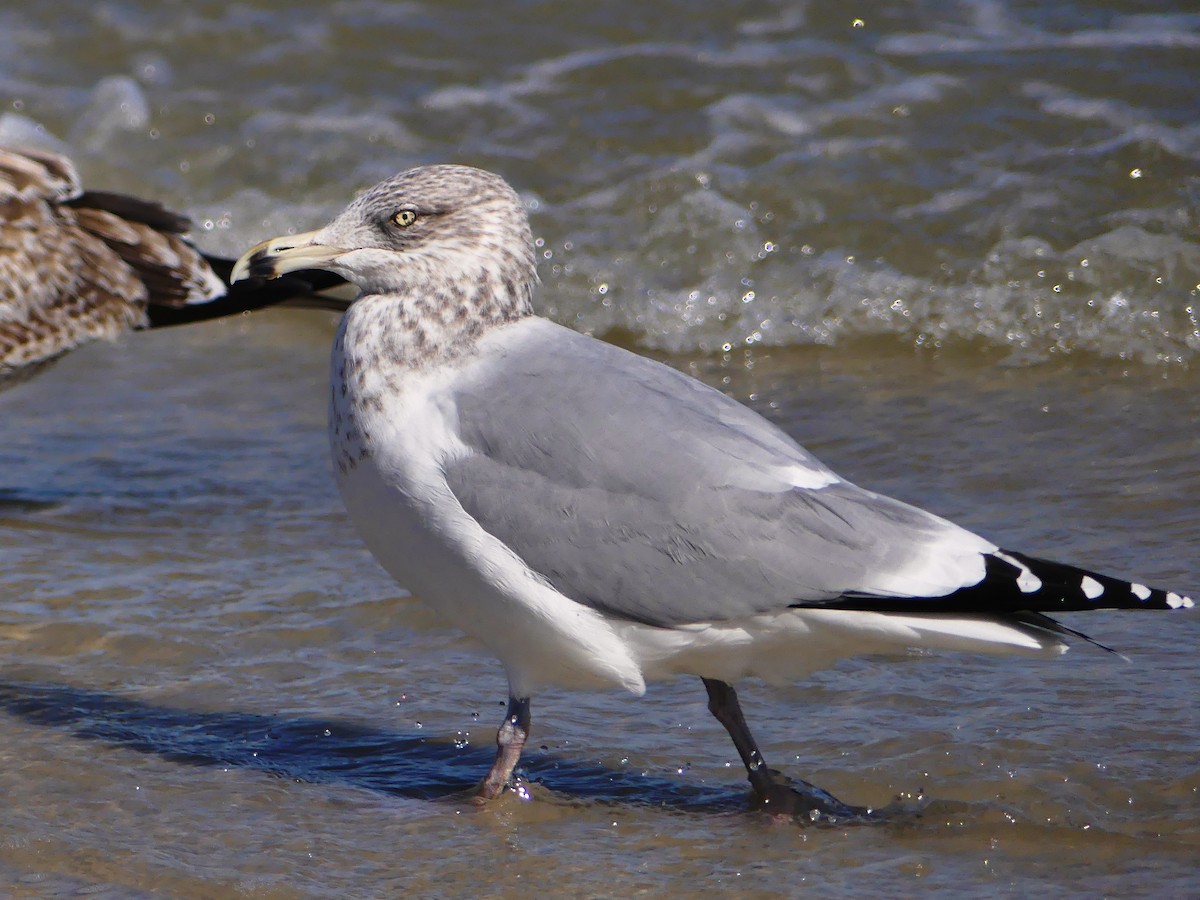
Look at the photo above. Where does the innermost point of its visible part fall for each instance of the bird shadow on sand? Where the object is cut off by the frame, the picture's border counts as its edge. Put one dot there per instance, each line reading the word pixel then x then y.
pixel 331 751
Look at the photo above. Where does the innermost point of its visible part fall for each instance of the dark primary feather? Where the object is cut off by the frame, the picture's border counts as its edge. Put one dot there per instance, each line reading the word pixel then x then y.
pixel 299 290
pixel 1061 590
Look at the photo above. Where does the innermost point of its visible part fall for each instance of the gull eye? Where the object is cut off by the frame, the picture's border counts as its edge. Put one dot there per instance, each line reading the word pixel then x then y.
pixel 404 218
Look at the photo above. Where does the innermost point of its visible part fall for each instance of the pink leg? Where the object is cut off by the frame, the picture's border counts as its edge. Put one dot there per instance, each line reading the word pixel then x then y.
pixel 510 740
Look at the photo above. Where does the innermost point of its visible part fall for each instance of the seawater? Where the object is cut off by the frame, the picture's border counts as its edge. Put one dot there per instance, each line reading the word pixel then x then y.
pixel 951 249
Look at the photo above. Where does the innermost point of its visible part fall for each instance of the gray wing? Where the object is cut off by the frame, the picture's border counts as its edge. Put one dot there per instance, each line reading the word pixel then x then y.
pixel 637 490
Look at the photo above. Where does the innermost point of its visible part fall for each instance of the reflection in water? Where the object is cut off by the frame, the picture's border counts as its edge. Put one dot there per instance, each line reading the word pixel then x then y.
pixel 330 751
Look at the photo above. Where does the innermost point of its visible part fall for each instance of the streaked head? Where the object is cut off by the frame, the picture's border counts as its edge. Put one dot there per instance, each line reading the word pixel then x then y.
pixel 430 229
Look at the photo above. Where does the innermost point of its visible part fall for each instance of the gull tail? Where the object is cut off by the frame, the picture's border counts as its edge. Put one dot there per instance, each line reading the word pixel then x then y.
pixel 1045 623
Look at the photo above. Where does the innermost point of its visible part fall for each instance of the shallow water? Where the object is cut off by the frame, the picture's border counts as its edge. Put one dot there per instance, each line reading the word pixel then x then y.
pixel 208 687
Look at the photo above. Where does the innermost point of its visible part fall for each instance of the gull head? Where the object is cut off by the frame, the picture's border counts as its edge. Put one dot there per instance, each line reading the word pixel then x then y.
pixel 454 231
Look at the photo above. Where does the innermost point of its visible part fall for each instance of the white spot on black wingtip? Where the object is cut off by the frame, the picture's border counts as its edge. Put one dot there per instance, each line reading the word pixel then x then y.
pixel 1091 587
pixel 1027 582
pixel 1175 601
pixel 1140 591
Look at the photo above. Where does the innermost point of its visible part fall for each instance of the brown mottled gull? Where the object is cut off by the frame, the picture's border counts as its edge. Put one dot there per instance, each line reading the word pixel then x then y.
pixel 599 519
pixel 78 265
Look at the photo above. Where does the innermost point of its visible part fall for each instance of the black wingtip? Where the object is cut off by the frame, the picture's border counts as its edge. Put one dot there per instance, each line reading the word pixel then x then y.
pixel 1016 583
pixel 298 289
pixel 1056 587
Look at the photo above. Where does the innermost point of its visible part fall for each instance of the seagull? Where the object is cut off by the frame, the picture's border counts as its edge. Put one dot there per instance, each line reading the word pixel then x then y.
pixel 599 519
pixel 78 265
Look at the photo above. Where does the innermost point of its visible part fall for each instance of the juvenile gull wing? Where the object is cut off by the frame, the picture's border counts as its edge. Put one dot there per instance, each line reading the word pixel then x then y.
pixel 78 265
pixel 652 497
pixel 60 284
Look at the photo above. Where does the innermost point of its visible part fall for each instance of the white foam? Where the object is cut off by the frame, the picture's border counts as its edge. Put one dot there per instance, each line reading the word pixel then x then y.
pixel 117 104
pixel 685 286
pixel 21 131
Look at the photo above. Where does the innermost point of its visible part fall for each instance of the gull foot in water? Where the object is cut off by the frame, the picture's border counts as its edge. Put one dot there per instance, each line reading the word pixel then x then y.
pixel 774 795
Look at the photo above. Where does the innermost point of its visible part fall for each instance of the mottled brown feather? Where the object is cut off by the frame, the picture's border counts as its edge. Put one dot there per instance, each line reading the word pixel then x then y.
pixel 73 268
pixel 78 265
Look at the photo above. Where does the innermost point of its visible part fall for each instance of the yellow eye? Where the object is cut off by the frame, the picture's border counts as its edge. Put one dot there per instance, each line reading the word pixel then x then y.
pixel 404 218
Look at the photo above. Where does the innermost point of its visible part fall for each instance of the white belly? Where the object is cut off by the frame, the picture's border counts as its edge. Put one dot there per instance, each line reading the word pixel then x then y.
pixel 397 496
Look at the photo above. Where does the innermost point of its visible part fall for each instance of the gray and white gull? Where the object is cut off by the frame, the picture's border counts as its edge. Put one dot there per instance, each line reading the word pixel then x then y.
pixel 598 519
